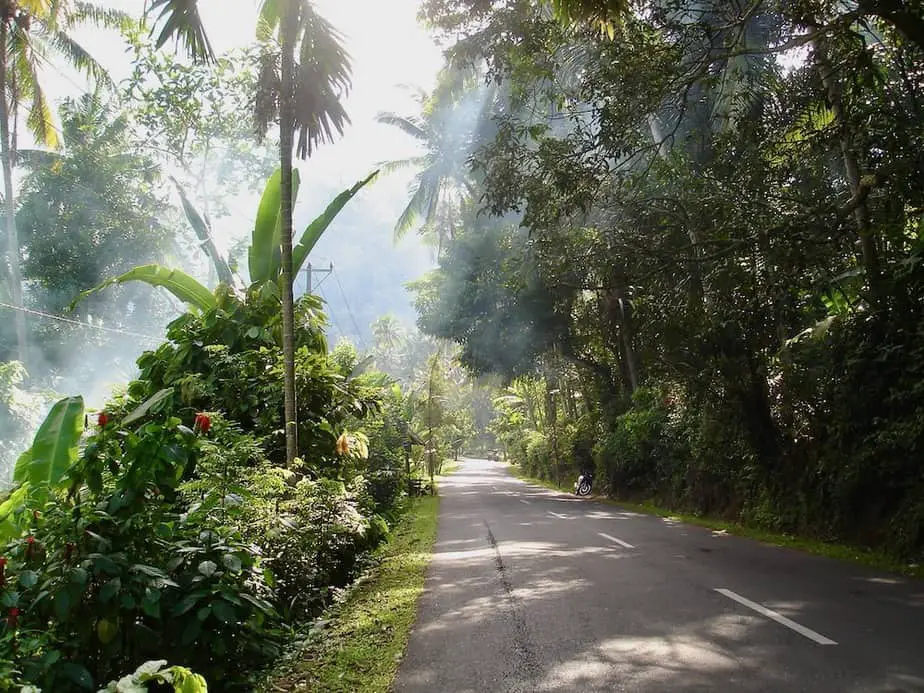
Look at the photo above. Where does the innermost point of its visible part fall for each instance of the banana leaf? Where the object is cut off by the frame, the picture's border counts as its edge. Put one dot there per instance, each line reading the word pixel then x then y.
pixel 265 254
pixel 175 281
pixel 54 448
pixel 317 227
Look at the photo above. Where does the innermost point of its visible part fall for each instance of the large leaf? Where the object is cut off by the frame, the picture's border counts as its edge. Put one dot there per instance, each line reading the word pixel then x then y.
pixel 317 227
pixel 265 255
pixel 148 404
pixel 175 281
pixel 204 233
pixel 54 449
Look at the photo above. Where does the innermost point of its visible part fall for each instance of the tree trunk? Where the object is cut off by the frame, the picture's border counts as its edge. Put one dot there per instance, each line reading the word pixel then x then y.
pixel 286 136
pixel 868 249
pixel 12 239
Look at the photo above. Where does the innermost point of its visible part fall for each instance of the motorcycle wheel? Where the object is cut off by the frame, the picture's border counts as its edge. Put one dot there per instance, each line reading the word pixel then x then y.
pixel 584 490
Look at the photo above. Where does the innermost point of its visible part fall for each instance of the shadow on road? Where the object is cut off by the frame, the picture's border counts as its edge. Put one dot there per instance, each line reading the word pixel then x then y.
pixel 528 592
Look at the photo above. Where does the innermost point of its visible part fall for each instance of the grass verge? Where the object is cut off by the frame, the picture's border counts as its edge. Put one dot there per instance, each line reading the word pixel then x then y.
pixel 842 552
pixel 365 637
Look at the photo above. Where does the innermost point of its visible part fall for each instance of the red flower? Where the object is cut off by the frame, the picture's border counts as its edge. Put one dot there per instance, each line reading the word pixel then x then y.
pixel 2 571
pixel 102 419
pixel 203 422
pixel 12 617
pixel 30 546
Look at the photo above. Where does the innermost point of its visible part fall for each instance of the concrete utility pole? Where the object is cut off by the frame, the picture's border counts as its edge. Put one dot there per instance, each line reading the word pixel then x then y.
pixel 310 272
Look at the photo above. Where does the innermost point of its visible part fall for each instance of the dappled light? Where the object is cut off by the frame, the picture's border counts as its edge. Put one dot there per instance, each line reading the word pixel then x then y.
pixel 414 346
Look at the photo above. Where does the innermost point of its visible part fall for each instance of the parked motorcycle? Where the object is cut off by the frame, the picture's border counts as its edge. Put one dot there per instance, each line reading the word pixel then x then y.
pixel 584 484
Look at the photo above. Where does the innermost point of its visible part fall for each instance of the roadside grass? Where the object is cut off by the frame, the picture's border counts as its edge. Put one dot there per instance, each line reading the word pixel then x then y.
pixel 843 552
pixel 449 466
pixel 363 641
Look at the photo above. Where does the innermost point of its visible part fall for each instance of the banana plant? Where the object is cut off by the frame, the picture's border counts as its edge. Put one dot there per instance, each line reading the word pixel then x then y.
pixel 264 255
pixel 43 467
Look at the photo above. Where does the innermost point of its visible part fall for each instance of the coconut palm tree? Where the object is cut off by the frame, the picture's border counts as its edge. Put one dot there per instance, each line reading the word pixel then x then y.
pixel 305 72
pixel 446 127
pixel 31 33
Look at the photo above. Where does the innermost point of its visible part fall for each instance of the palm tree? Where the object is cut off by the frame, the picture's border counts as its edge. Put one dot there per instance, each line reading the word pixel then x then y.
pixel 31 31
pixel 305 72
pixel 444 128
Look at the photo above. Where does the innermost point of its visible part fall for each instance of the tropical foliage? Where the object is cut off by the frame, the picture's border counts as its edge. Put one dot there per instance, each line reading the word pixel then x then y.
pixel 696 254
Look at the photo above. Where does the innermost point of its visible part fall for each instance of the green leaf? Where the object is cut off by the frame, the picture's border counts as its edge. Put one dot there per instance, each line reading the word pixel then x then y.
pixel 17 499
pixel 146 406
pixel 223 611
pixel 77 674
pixel 63 605
pixel 191 632
pixel 149 570
pixel 187 603
pixel 208 568
pixel 10 599
pixel 316 228
pixel 28 578
pixel 231 562
pixel 204 234
pixel 104 564
pixel 54 448
pixel 175 281
pixel 185 681
pixel 106 630
pixel 265 254
pixel 204 612
pixel 110 589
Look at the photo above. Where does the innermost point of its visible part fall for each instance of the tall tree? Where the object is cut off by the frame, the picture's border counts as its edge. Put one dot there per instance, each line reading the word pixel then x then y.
pixel 31 32
pixel 304 75
pixel 443 128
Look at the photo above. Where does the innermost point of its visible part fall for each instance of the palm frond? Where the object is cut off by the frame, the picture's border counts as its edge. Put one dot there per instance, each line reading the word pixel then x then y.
pixel 425 189
pixel 323 77
pixel 26 61
pixel 79 57
pixel 179 21
pixel 410 125
pixel 104 17
pixel 41 121
pixel 401 164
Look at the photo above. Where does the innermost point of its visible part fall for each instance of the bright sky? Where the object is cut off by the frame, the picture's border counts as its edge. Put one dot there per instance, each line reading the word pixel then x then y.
pixel 388 49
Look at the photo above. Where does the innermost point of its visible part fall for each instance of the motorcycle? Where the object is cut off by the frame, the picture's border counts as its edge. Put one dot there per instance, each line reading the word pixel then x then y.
pixel 584 484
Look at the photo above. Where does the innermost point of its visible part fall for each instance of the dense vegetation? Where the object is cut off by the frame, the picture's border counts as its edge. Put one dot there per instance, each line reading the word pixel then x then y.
pixel 183 533
pixel 690 237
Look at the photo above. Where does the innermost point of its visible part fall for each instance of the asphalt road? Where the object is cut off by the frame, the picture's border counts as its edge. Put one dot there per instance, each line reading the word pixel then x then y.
pixel 531 590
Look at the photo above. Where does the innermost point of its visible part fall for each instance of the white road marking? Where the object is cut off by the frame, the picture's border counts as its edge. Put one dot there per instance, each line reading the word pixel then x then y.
pixel 560 517
pixel 779 618
pixel 622 543
pixel 523 500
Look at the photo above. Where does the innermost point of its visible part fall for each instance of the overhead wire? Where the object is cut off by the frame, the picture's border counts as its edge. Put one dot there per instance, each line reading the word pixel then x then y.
pixel 61 318
pixel 330 313
pixel 359 334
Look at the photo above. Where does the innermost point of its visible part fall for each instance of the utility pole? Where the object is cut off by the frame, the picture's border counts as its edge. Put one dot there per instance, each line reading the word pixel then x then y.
pixel 310 272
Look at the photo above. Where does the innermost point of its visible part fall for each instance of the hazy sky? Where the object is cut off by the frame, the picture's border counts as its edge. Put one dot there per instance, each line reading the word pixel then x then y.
pixel 388 49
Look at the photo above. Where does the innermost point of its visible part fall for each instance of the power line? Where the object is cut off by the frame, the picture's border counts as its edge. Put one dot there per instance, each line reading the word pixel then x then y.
pixel 60 318
pixel 330 313
pixel 359 334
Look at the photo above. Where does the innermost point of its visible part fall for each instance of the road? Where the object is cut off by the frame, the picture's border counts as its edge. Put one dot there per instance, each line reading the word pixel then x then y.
pixel 532 590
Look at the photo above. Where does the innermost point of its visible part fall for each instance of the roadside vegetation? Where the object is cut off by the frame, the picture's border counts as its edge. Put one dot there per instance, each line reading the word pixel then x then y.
pixel 359 644
pixel 687 241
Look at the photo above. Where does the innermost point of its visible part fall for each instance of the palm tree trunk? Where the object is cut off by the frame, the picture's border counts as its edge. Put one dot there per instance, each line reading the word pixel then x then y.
pixel 286 136
pixel 12 239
